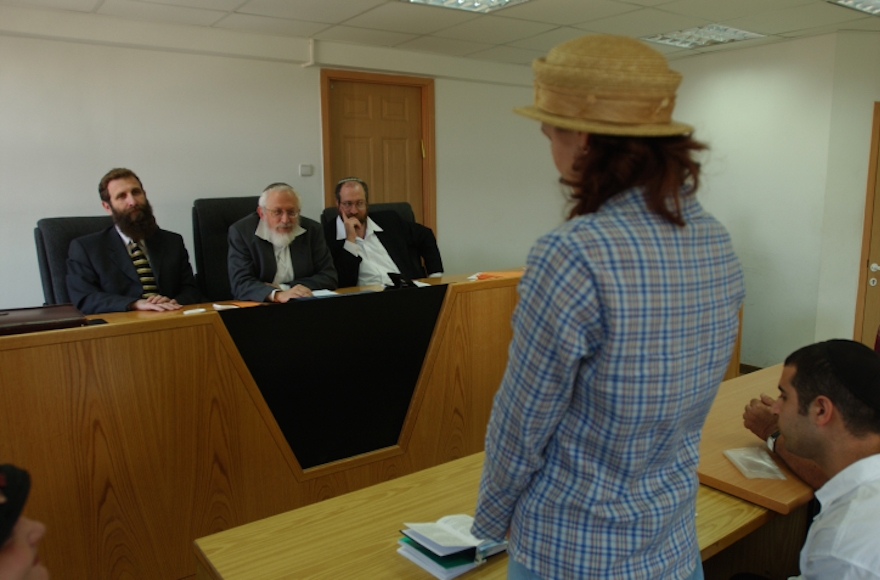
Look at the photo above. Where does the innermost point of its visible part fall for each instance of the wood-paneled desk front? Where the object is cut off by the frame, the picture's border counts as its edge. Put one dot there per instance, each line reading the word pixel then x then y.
pixel 148 432
pixel 355 535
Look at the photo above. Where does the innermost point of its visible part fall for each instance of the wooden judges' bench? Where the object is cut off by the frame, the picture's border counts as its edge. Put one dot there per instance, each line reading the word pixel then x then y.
pixel 150 431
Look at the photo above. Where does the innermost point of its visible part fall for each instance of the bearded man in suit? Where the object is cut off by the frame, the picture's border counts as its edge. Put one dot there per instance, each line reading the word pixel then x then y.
pixel 134 264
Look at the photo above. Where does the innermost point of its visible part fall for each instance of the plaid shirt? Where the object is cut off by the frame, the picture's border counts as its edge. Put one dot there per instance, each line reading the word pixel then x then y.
pixel 623 331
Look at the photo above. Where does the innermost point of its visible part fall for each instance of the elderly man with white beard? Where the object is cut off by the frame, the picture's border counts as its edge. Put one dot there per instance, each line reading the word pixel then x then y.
pixel 275 254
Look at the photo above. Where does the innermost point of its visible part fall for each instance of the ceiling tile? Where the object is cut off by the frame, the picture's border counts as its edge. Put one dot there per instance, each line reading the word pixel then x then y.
pixel 508 54
pixel 738 45
pixel 264 25
pixel 667 50
pixel 566 12
pixel 443 46
pixel 225 5
pixel 869 23
pixel 412 18
pixel 865 24
pixel 645 22
pixel 791 19
pixel 649 2
pixel 330 11
pixel 544 42
pixel 494 30
pixel 718 10
pixel 77 5
pixel 159 12
pixel 364 36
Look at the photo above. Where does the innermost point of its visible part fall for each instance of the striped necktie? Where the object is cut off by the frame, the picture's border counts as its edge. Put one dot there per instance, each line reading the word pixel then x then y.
pixel 142 267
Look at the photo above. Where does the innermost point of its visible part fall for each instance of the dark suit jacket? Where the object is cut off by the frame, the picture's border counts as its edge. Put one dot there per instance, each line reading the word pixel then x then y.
pixel 407 243
pixel 252 260
pixel 101 277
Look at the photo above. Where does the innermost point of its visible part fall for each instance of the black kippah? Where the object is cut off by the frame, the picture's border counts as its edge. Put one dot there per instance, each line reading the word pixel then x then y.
pixel 857 367
pixel 15 484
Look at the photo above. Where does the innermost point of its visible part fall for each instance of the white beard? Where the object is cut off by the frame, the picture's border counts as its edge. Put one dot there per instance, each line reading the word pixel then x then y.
pixel 278 239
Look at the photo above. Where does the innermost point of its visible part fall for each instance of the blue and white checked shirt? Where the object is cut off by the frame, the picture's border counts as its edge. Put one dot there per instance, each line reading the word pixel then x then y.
pixel 623 331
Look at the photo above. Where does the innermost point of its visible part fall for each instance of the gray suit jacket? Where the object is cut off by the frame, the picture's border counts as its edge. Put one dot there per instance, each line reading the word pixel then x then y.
pixel 252 260
pixel 102 278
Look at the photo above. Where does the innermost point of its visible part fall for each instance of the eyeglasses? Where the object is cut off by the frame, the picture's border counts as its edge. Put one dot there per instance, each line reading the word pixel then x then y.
pixel 277 213
pixel 360 204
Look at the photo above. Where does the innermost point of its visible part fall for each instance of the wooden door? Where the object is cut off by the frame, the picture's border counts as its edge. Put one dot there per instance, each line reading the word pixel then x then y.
pixel 868 302
pixel 380 128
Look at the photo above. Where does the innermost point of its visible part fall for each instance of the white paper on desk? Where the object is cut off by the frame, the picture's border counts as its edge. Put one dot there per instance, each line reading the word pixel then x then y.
pixel 754 463
pixel 319 293
pixel 420 284
pixel 224 306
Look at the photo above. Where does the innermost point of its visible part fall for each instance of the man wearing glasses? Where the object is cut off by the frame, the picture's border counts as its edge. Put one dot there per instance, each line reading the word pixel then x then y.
pixel 275 254
pixel 366 248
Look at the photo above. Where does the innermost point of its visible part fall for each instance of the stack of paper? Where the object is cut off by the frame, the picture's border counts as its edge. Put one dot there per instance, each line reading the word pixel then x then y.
pixel 446 548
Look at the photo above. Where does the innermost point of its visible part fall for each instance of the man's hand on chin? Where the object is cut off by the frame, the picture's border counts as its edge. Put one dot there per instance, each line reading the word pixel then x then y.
pixel 353 228
pixel 758 418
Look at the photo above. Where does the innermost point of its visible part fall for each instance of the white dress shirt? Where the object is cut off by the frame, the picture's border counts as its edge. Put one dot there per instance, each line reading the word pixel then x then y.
pixel 126 240
pixel 844 539
pixel 375 261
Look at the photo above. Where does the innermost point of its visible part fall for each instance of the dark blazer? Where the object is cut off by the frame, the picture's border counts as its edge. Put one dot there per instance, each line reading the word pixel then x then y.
pixel 252 260
pixel 101 277
pixel 407 243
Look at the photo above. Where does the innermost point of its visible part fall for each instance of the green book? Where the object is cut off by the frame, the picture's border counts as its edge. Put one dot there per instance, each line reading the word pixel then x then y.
pixel 451 561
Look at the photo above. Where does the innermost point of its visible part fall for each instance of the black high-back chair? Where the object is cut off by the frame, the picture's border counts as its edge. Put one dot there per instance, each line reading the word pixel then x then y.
pixel 211 220
pixel 52 237
pixel 403 208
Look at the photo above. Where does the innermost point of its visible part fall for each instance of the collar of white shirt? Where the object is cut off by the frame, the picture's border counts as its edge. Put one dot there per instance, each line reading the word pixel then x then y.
pixel 127 240
pixel 862 471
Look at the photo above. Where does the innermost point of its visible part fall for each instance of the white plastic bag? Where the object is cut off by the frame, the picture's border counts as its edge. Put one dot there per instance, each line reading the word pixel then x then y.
pixel 754 463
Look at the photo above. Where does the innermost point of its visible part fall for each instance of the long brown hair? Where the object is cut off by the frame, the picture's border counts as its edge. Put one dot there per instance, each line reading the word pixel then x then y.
pixel 661 165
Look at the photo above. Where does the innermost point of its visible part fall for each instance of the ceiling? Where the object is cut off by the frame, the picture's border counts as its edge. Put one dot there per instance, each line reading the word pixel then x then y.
pixel 513 35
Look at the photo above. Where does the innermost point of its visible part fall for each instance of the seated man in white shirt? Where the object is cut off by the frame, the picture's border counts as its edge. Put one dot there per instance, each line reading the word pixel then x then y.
pixel 275 254
pixel 829 411
pixel 366 248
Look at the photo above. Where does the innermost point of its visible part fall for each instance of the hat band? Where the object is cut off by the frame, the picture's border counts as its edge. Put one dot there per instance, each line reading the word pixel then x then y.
pixel 625 109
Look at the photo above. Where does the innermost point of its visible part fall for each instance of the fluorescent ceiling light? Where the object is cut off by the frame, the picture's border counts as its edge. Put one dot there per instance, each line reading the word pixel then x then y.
pixel 703 36
pixel 469 5
pixel 869 6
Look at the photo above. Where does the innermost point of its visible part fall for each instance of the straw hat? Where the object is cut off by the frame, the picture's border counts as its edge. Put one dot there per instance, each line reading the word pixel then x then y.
pixel 610 85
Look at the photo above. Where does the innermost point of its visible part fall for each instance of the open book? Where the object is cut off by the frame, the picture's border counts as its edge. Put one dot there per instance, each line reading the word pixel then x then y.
pixel 446 548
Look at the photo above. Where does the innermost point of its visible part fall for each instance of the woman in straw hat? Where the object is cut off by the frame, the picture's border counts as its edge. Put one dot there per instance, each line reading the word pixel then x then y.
pixel 625 325
pixel 19 535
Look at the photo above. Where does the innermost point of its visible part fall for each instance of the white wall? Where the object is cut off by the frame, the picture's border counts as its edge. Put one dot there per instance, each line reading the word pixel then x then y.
pixel 856 88
pixel 766 113
pixel 195 125
pixel 500 190
pixel 218 113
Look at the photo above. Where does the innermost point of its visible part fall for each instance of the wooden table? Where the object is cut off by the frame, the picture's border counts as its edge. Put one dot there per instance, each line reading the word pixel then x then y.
pixel 148 432
pixel 724 430
pixel 773 550
pixel 355 535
